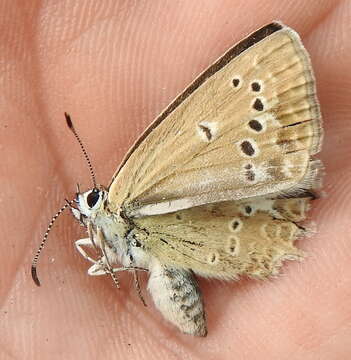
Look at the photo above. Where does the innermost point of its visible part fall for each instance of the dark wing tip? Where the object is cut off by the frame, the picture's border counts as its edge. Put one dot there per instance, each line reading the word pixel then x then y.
pixel 68 121
pixel 35 276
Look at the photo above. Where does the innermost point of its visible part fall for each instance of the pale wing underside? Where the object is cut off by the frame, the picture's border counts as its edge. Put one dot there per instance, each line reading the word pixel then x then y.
pixel 249 129
pixel 226 240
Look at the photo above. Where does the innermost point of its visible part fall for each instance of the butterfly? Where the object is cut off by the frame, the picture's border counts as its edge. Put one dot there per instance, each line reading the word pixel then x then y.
pixel 218 183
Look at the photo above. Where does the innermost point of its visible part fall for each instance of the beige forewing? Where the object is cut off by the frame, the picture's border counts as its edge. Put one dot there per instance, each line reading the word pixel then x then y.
pixel 248 130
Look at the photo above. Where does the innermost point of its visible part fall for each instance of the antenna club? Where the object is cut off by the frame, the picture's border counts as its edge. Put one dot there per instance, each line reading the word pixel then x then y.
pixel 69 121
pixel 35 276
pixel 42 244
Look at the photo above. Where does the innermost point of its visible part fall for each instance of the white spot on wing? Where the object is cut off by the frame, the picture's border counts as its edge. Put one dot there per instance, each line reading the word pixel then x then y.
pixel 207 130
pixel 258 171
pixel 233 246
pixel 264 205
pixel 286 168
pixel 267 119
pixel 213 258
pixel 235 225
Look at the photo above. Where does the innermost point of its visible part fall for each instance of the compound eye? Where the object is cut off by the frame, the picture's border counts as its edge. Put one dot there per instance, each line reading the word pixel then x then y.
pixel 93 198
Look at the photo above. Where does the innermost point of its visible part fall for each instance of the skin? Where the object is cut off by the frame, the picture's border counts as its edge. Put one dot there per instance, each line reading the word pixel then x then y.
pixel 114 65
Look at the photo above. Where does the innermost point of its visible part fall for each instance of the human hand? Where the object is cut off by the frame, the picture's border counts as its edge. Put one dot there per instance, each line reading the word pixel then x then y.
pixel 114 65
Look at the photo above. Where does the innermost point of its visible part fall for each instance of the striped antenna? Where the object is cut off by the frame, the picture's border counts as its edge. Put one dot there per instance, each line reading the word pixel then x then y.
pixel 70 125
pixel 36 257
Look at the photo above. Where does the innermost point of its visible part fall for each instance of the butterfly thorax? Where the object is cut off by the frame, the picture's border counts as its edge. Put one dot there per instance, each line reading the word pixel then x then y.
pixel 125 242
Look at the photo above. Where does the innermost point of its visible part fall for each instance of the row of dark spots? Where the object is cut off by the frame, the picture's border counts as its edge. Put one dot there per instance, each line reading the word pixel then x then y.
pixel 255 86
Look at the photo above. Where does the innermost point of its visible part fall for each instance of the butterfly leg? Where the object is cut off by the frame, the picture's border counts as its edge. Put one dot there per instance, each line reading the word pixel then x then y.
pixel 101 268
pixel 102 265
pixel 79 246
pixel 89 242
pixel 102 244
pixel 178 297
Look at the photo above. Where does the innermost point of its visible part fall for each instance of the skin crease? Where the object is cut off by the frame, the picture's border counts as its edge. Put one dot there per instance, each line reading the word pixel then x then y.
pixel 114 65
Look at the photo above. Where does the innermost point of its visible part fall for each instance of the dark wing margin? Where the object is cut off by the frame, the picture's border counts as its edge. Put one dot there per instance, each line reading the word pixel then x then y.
pixel 233 52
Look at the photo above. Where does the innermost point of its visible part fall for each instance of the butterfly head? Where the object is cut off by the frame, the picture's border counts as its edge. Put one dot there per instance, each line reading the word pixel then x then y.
pixel 89 203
